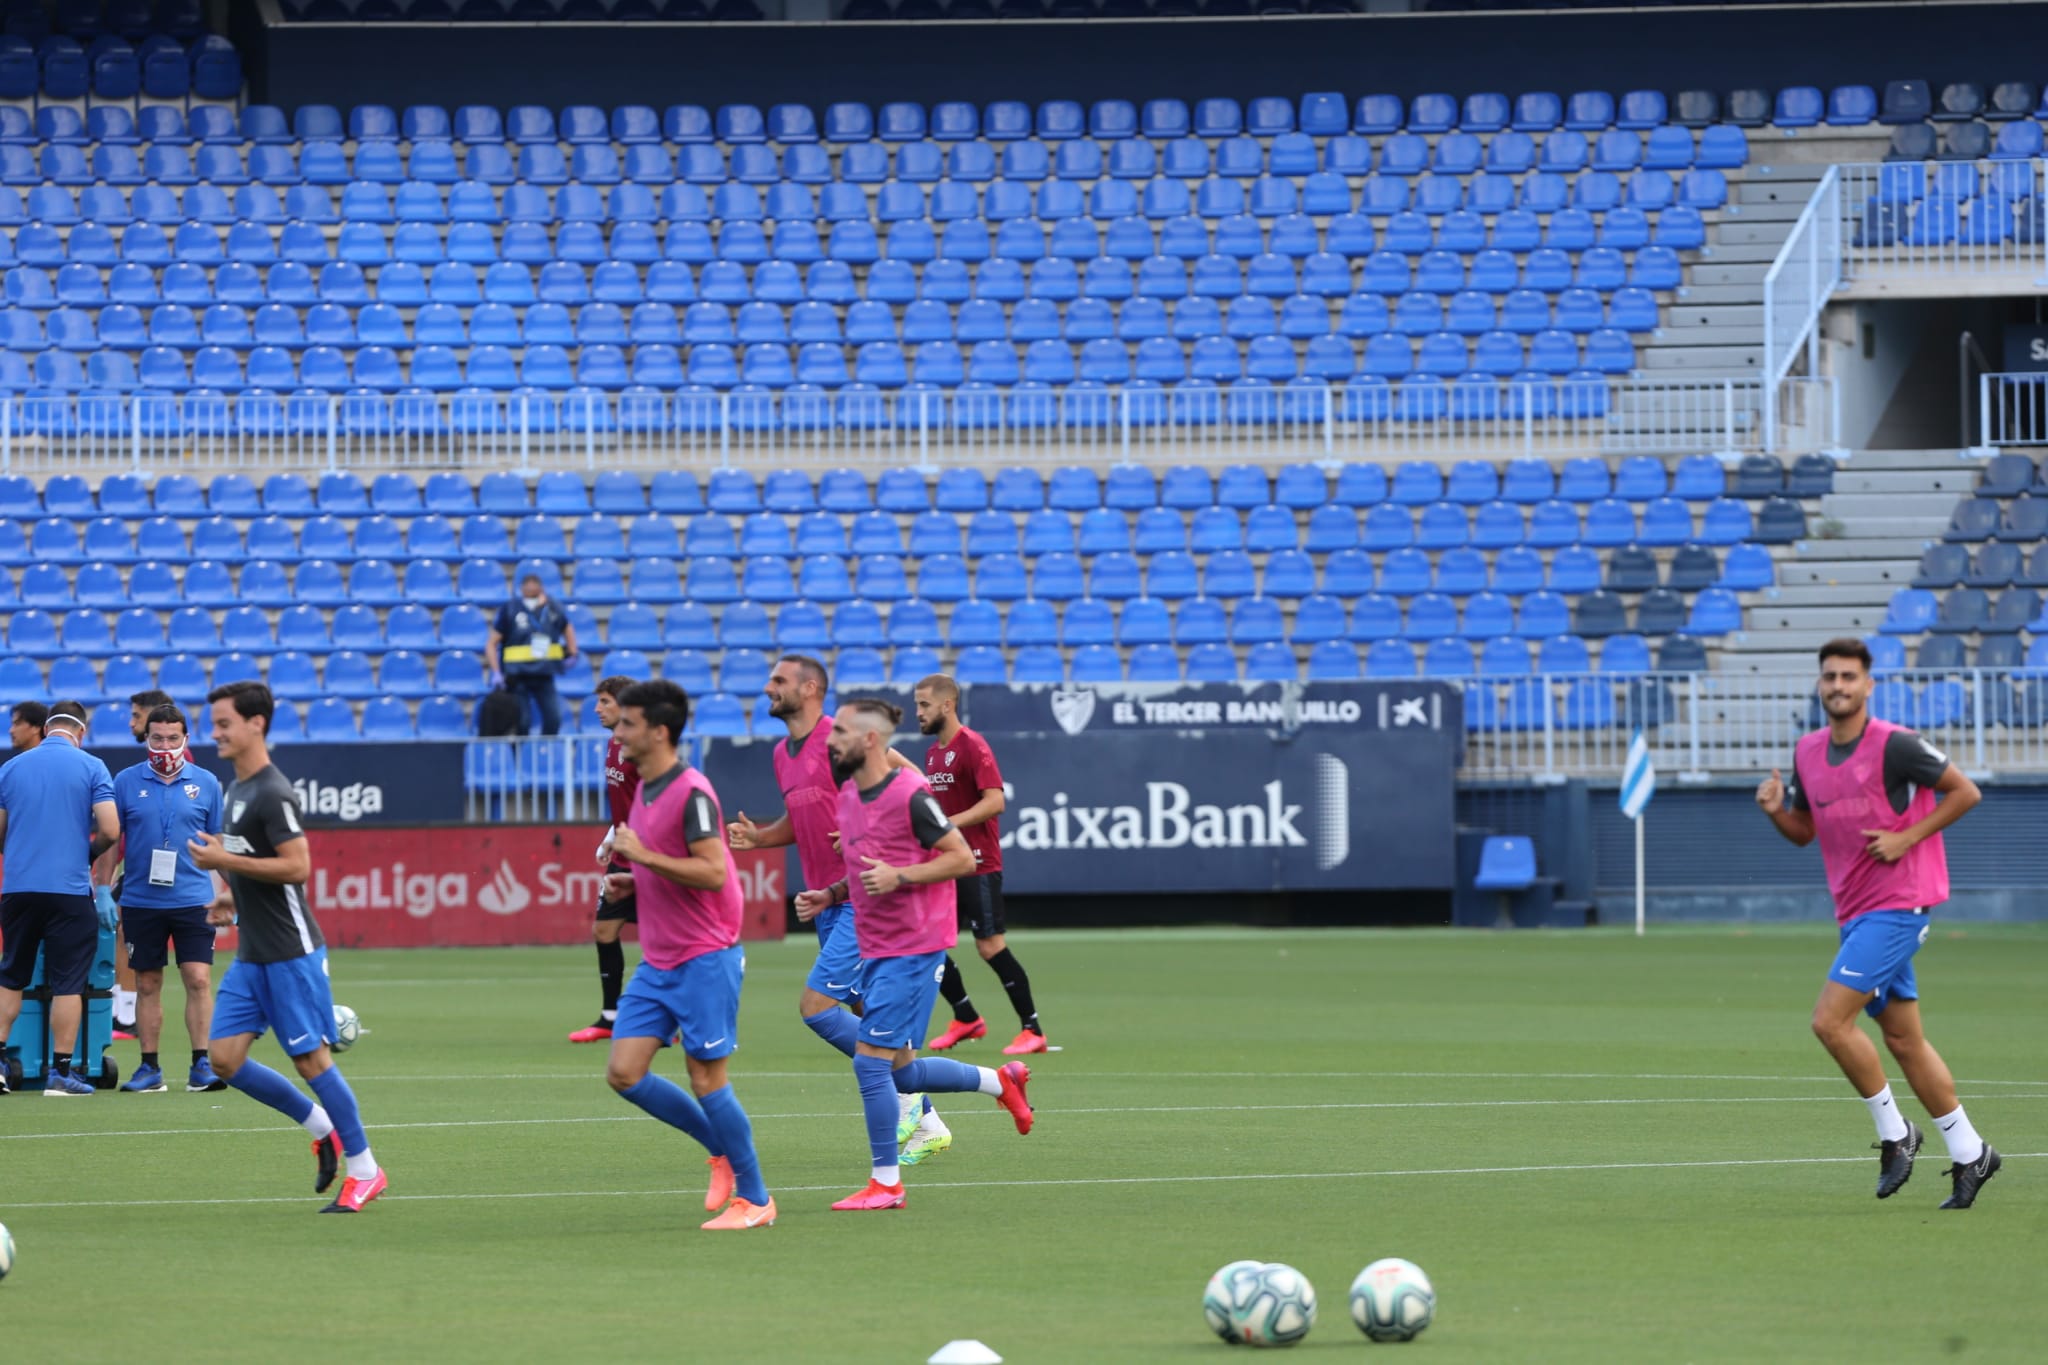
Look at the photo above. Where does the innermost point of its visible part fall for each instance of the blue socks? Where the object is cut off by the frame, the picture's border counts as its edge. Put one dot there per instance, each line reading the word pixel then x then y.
pixel 836 1027
pixel 942 1075
pixel 265 1086
pixel 340 1103
pixel 736 1137
pixel 675 1107
pixel 878 1106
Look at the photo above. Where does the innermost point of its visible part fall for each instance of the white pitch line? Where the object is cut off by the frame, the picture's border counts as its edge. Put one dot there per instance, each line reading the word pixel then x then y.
pixel 970 1113
pixel 597 1072
pixel 1033 1184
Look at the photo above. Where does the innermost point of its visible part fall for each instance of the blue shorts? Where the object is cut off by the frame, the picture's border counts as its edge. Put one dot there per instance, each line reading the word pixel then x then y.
pixel 1877 955
pixel 152 932
pixel 837 971
pixel 290 996
pixel 897 995
pixel 700 1000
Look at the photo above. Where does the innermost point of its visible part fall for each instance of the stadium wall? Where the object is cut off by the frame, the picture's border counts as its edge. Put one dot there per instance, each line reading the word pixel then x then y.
pixel 1404 54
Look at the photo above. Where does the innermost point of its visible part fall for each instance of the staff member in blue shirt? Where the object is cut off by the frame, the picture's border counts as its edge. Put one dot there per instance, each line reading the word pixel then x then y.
pixel 530 642
pixel 56 815
pixel 166 802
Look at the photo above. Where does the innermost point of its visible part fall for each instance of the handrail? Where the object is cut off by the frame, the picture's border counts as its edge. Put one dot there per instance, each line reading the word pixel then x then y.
pixel 1966 347
pixel 1815 236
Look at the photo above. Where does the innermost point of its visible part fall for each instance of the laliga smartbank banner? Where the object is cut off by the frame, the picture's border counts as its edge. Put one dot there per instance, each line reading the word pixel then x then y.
pixel 385 887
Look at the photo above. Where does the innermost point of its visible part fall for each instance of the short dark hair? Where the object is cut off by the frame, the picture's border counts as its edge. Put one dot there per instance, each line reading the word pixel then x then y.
pixel 165 714
pixel 531 577
pixel 74 710
pixel 30 713
pixel 875 706
pixel 251 700
pixel 1848 647
pixel 811 670
pixel 663 703
pixel 615 686
pixel 150 698
pixel 940 685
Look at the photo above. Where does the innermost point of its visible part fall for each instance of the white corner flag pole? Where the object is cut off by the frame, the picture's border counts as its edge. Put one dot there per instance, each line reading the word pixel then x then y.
pixel 1638 785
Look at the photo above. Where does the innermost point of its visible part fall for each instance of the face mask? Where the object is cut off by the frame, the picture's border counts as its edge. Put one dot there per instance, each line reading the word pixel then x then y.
pixel 167 762
pixel 533 603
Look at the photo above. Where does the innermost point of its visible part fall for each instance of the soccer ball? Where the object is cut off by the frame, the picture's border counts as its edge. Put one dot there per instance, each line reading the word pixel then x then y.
pixel 1228 1288
pixel 1392 1300
pixel 347 1028
pixel 1257 1304
pixel 6 1251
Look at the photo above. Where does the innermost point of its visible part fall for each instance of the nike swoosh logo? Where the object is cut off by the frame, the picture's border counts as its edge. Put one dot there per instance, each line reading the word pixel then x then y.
pixel 714 1042
pixel 837 985
pixel 1847 972
pixel 1947 1127
pixel 300 1039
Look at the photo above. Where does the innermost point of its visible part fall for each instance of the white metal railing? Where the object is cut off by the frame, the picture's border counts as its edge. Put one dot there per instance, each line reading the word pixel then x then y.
pixel 1988 721
pixel 863 427
pixel 2012 410
pixel 1796 289
pixel 1950 218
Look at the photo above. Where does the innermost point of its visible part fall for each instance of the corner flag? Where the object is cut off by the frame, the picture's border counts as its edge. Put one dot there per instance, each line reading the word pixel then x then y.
pixel 1638 778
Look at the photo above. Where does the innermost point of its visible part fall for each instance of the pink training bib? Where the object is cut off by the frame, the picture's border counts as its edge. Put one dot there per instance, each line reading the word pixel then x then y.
pixel 911 919
pixel 678 923
pixel 812 799
pixel 1847 800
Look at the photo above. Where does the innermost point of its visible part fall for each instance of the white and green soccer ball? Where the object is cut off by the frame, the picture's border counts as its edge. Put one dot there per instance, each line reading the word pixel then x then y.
pixel 347 1028
pixel 1259 1304
pixel 6 1251
pixel 1392 1300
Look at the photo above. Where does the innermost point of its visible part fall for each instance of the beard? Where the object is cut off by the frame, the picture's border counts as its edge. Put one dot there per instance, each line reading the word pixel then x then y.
pixel 932 726
pixel 844 769
pixel 783 708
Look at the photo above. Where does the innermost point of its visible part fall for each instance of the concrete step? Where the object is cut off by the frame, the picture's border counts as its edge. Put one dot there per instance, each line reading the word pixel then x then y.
pixel 1723 271
pixel 1772 661
pixel 1814 148
pixel 1705 359
pixel 1749 231
pixel 1895 531
pixel 1745 253
pixel 1788 640
pixel 1864 548
pixel 1685 332
pixel 1939 461
pixel 1821 595
pixel 1891 574
pixel 1849 507
pixel 1780 211
pixel 1719 295
pixel 1764 166
pixel 1771 191
pixel 1847 619
pixel 1956 481
pixel 1692 312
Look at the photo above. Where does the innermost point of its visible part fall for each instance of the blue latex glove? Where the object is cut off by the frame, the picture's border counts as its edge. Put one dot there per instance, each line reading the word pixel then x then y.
pixel 103 901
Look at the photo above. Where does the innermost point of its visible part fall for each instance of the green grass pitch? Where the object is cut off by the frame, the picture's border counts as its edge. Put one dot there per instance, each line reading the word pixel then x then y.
pixel 1600 1148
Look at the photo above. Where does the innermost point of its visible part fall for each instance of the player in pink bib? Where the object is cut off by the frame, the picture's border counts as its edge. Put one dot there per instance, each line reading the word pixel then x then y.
pixel 796 691
pixel 900 852
pixel 1866 789
pixel 688 983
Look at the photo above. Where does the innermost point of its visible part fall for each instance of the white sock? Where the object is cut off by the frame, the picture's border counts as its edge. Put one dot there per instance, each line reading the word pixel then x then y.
pixel 888 1175
pixel 991 1084
pixel 904 1103
pixel 124 1004
pixel 317 1124
pixel 609 1016
pixel 1891 1124
pixel 1964 1146
pixel 362 1165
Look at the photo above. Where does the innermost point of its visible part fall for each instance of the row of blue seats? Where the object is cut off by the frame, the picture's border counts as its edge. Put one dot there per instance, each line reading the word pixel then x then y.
pixel 1305 316
pixel 1055 576
pixel 1666 522
pixel 385 720
pixel 1022 164
pixel 86 20
pixel 2023 520
pixel 1318 115
pixel 1999 564
pixel 1947 653
pixel 1014 488
pixel 1965 611
pixel 1936 222
pixel 1549 270
pixel 530 11
pixel 51 206
pixel 378 370
pixel 1538 613
pixel 160 67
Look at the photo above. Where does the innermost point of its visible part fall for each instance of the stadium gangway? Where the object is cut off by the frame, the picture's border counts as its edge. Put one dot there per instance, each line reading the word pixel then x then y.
pixel 1706 726
pixel 2012 410
pixel 149 433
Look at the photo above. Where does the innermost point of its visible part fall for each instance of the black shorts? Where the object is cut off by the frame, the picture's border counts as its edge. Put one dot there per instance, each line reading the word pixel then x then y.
pixel 151 934
pixel 627 909
pixel 981 904
pixel 66 928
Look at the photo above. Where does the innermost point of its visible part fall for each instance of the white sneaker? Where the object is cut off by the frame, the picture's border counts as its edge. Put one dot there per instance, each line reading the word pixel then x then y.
pixel 908 1108
pixel 930 1137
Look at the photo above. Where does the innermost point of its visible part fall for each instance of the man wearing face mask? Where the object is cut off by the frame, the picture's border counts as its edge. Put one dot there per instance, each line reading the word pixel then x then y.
pixel 530 642
pixel 166 802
